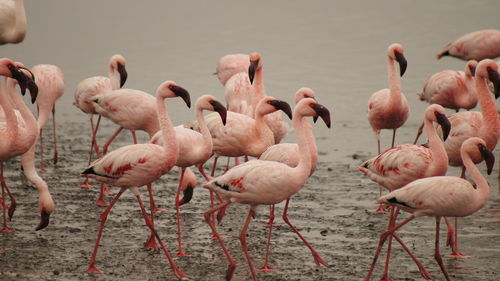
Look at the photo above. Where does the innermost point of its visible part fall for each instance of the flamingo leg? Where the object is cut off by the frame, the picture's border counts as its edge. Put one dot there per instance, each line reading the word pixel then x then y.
pixel 382 208
pixel 316 256
pixel 134 136
pixel 94 140
pixel 419 132
pixel 393 137
pixel 381 242
pixel 111 139
pixel 101 201
pixel 86 183
pixel 202 171
pixel 5 189
pixel 437 254
pixel 104 216
pixel 266 266
pixel 151 242
pixel 178 214
pixel 54 135
pixel 42 168
pixel 208 218
pixel 214 166
pixel 392 220
pixel 243 240
pixel 175 268
pixel 455 253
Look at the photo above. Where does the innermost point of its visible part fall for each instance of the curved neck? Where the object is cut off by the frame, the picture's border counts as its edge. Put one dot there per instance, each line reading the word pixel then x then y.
pixel 482 188
pixel 114 77
pixel 394 82
pixel 487 105
pixel 301 131
pixel 170 146
pixel 313 149
pixel 29 120
pixel 207 138
pixel 261 126
pixel 11 127
pixel 439 165
pixel 258 86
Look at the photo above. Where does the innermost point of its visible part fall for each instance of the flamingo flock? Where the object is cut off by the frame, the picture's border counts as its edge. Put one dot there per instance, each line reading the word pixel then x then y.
pixel 251 124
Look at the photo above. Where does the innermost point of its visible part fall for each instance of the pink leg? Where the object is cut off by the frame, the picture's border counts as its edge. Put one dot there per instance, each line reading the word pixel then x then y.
pixel 243 240
pixel 266 266
pixel 134 136
pixel 382 208
pixel 227 165
pixel 111 139
pixel 450 237
pixel 437 254
pixel 175 269
pixel 392 220
pixel 455 252
pixel 86 183
pixel 214 166
pixel 42 168
pixel 202 171
pixel 154 209
pixel 12 202
pixel 54 136
pixel 101 201
pixel 94 140
pixel 178 214
pixel 419 132
pixel 208 218
pixel 104 216
pixel 381 242
pixel 393 137
pixel 151 242
pixel 316 256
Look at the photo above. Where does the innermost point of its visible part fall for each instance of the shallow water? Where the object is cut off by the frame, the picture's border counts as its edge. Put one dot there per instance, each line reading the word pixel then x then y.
pixel 337 49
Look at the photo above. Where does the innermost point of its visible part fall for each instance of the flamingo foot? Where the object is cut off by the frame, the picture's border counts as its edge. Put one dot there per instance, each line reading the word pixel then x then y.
pixel 43 170
pixel 382 209
pixel 270 223
pixel 101 202
pixel 319 260
pixel 181 275
pixel 7 229
pixel 266 267
pixel 87 184
pixel 159 210
pixel 221 236
pixel 424 273
pixel 106 190
pixel 457 255
pixel 386 278
pixel 181 253
pixel 93 269
pixel 151 243
pixel 230 271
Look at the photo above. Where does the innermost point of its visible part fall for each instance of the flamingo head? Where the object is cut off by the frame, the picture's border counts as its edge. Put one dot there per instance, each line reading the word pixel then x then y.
pixel 187 186
pixel 436 113
pixel 304 93
pixel 255 64
pixel 488 69
pixel 269 104
pixel 117 63
pixel 396 52
pixel 24 81
pixel 46 207
pixel 30 84
pixel 310 107
pixel 488 157
pixel 169 89
pixel 470 68
pixel 208 102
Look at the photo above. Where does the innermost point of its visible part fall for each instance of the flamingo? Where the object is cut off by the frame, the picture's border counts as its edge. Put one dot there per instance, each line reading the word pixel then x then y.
pixel 229 65
pixel 275 121
pixel 132 166
pixel 442 196
pixel 12 22
pixel 484 124
pixel 265 182
pixel 388 108
pixel 451 89
pixel 18 127
pixel 400 165
pixel 477 45
pixel 90 87
pixel 195 148
pixel 50 81
pixel 288 153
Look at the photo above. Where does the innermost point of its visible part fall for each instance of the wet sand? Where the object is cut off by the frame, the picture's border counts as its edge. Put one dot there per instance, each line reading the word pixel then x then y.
pixel 333 211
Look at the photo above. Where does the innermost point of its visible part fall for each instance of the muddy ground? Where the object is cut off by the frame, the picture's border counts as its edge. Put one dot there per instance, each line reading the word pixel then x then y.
pixel 334 211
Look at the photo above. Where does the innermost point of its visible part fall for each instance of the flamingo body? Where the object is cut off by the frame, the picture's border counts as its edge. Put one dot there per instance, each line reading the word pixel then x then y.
pixel 477 45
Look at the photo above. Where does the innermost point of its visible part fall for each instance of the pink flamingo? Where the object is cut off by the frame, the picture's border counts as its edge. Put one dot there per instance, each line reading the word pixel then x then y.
pixel 388 108
pixel 477 45
pixel 12 22
pixel 484 124
pixel 195 148
pixel 288 153
pixel 132 166
pixel 441 196
pixel 90 87
pixel 230 65
pixel 50 82
pixel 451 89
pixel 400 165
pixel 18 127
pixel 265 182
pixel 275 120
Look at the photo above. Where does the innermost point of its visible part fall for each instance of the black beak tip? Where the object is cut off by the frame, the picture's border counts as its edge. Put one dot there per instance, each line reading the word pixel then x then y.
pixel 44 220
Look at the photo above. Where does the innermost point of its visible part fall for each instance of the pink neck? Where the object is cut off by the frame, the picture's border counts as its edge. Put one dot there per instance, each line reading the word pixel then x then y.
pixel 11 126
pixel 303 169
pixel 482 188
pixel 394 83
pixel 170 146
pixel 439 165
pixel 489 132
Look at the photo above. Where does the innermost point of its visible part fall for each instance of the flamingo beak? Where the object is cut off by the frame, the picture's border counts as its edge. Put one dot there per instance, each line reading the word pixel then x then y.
pixel 403 63
pixel 472 69
pixel 488 157
pixel 218 107
pixel 494 77
pixel 44 220
pixel 445 124
pixel 22 80
pixel 188 194
pixel 322 112
pixel 282 105
pixel 183 93
pixel 251 69
pixel 123 74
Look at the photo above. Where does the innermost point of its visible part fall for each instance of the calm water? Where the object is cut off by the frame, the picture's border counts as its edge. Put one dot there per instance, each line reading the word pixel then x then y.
pixel 337 49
